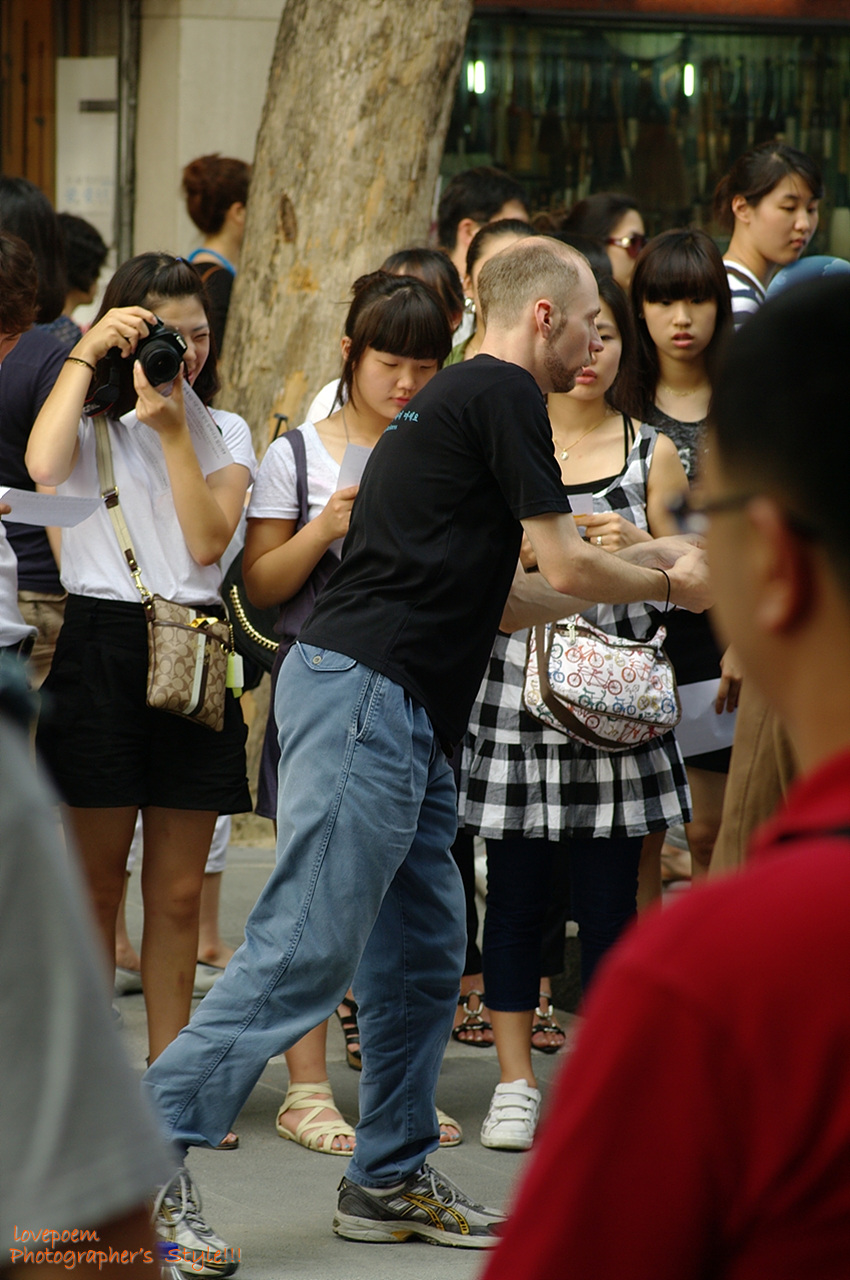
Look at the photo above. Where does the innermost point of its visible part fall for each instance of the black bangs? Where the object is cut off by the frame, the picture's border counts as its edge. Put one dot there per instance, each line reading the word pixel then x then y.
pixel 398 315
pixel 408 320
pixel 413 325
pixel 680 270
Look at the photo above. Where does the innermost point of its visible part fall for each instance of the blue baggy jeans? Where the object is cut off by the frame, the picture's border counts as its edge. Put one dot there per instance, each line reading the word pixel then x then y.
pixel 364 884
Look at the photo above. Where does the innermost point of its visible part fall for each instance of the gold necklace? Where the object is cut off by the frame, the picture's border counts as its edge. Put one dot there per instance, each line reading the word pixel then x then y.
pixel 671 391
pixel 565 450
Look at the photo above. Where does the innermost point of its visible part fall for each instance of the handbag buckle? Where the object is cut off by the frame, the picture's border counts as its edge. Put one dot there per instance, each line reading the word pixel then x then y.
pixel 202 622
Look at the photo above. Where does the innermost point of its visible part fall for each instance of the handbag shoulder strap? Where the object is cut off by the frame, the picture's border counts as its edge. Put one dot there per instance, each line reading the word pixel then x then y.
pixel 109 493
pixel 296 442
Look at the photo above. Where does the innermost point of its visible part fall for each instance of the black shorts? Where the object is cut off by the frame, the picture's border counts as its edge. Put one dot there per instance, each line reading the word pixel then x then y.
pixel 106 748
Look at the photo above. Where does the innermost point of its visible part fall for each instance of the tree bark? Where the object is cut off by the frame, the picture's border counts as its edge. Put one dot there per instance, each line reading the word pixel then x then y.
pixel 348 153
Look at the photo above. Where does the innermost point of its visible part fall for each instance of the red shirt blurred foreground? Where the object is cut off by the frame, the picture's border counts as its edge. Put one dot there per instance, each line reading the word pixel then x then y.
pixel 702 1126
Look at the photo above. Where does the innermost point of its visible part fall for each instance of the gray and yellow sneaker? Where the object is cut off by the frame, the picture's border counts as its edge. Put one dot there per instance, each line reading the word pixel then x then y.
pixel 427 1206
pixel 185 1241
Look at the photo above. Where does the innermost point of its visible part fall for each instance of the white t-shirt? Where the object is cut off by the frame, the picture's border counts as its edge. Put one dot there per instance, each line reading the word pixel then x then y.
pixel 275 497
pixel 326 401
pixel 93 563
pixel 13 629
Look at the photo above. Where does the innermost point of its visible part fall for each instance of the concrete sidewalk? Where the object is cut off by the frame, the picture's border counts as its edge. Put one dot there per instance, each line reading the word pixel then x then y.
pixel 273 1199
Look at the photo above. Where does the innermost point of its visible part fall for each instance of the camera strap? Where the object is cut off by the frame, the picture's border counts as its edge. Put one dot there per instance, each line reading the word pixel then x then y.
pixel 104 397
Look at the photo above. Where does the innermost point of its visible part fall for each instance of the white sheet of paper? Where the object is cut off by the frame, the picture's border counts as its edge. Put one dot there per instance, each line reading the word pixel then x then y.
pixel 350 471
pixel 353 463
pixel 213 453
pixel 701 728
pixel 47 508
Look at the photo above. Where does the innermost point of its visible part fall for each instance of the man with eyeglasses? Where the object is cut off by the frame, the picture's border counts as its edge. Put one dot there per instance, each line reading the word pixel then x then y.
pixel 702 1124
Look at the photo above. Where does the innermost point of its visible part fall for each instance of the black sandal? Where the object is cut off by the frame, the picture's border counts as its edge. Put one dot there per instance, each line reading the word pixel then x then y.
pixel 546 1025
pixel 351 1031
pixel 472 1022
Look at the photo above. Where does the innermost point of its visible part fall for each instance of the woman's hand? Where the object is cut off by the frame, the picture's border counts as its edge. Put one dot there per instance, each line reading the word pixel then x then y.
pixel 336 517
pixel 729 689
pixel 122 327
pixel 164 414
pixel 611 531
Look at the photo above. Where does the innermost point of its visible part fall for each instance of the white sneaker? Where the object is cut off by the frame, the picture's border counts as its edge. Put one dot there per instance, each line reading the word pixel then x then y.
pixel 186 1242
pixel 512 1118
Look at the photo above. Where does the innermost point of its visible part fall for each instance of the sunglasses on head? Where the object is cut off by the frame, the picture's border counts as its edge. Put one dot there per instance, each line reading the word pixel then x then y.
pixel 632 244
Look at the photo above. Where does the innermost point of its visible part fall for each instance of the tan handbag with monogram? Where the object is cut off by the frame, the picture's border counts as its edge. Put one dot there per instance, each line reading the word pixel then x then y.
pixel 188 649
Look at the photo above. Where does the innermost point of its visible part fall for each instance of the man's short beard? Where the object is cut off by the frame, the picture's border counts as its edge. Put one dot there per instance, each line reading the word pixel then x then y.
pixel 561 377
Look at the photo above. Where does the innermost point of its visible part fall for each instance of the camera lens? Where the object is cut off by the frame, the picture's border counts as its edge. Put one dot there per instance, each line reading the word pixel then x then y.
pixel 160 362
pixel 161 354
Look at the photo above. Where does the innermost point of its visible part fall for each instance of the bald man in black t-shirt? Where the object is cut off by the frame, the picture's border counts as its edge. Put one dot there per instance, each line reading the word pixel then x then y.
pixel 376 691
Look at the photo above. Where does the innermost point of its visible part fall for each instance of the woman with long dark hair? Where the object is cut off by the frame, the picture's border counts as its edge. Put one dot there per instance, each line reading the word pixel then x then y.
pixel 111 754
pixel 682 307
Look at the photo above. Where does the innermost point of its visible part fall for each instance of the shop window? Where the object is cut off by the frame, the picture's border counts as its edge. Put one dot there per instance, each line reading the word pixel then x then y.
pixel 659 112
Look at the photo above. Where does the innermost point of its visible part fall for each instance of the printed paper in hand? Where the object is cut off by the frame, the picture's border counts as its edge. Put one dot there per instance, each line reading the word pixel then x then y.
pixel 209 444
pixel 350 471
pixel 47 508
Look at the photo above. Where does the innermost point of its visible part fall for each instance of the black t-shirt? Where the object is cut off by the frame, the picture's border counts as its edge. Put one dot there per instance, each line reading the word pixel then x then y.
pixel 430 555
pixel 27 375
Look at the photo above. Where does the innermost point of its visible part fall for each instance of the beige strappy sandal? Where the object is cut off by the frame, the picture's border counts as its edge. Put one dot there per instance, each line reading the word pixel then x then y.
pixel 313 1099
pixel 446 1122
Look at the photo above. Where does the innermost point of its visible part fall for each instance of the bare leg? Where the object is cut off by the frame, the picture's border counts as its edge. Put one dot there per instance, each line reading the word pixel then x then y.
pixel 512 1033
pixel 707 790
pixel 126 954
pixel 306 1062
pixel 211 948
pixel 103 840
pixel 177 842
pixel 649 870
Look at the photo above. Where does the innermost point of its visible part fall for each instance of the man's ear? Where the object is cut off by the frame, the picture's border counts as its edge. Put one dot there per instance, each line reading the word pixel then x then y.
pixel 783 574
pixel 544 317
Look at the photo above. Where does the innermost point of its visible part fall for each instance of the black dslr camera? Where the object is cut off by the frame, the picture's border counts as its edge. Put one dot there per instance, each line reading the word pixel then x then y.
pixel 161 357
pixel 161 354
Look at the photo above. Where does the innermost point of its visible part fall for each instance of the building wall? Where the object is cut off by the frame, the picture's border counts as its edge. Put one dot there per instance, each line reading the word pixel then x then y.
pixel 203 68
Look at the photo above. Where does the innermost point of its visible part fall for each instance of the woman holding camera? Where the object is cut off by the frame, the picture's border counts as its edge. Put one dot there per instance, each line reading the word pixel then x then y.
pixel 110 753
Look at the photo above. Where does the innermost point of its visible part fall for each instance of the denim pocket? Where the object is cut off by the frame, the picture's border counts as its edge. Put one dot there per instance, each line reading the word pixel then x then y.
pixel 324 659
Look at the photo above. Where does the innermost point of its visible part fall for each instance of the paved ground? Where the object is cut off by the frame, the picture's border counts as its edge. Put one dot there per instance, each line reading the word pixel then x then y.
pixel 273 1199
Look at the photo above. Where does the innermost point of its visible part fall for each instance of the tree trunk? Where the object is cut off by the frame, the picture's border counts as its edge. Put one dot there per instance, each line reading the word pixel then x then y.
pixel 348 153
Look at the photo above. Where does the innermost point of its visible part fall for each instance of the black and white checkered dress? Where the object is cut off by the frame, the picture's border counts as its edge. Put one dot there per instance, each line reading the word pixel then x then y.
pixel 519 778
